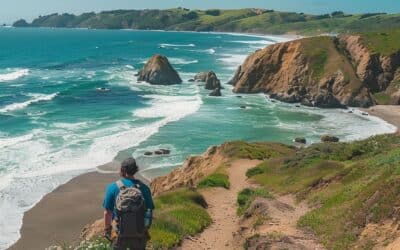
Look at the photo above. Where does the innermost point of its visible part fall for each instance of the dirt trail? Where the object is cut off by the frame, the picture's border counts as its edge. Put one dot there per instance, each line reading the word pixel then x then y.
pixel 283 214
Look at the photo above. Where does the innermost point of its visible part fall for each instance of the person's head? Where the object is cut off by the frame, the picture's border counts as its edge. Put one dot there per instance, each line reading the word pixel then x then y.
pixel 129 167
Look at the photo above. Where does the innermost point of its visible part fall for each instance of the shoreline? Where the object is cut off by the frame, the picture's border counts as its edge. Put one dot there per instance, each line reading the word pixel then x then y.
pixel 388 113
pixel 48 223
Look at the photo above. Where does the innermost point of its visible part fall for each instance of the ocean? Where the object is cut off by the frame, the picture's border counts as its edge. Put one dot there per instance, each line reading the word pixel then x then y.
pixel 55 123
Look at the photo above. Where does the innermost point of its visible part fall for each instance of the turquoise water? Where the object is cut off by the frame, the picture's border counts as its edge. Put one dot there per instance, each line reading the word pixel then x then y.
pixel 55 124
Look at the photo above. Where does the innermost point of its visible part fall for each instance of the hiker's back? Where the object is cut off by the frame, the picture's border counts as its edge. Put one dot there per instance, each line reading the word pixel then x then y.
pixel 130 211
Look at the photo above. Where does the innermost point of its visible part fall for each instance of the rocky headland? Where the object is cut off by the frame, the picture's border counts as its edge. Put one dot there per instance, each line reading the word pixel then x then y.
pixel 326 72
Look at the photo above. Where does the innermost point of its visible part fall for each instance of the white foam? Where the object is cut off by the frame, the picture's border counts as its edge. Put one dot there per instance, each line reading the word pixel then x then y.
pixel 22 105
pixel 14 75
pixel 211 51
pixel 172 107
pixel 181 61
pixel 233 60
pixel 256 42
pixel 70 126
pixel 165 45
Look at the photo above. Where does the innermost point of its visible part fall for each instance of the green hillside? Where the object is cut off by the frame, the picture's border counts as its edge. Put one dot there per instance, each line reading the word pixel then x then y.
pixel 238 20
pixel 349 185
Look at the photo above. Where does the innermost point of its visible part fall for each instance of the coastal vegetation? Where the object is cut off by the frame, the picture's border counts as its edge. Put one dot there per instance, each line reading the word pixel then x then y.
pixel 219 178
pixel 239 20
pixel 350 187
pixel 179 214
pixel 247 196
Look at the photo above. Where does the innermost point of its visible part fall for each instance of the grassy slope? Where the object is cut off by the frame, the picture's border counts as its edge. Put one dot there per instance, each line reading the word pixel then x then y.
pixel 241 20
pixel 349 184
pixel 219 178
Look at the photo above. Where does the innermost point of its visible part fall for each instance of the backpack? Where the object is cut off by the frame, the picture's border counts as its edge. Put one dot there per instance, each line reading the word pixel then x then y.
pixel 130 211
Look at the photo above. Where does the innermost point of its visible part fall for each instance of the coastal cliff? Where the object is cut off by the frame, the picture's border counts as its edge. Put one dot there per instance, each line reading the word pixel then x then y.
pixel 323 71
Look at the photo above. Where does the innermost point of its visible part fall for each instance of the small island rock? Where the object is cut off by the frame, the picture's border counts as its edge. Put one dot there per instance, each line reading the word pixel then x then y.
pixel 159 71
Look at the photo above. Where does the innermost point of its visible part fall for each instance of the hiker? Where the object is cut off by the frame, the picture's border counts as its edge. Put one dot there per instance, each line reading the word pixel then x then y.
pixel 128 210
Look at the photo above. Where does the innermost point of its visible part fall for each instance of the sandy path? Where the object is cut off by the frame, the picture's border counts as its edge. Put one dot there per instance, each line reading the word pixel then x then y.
pixel 282 211
pixel 222 208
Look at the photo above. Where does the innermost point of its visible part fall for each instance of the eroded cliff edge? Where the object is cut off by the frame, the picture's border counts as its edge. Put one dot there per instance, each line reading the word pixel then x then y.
pixel 323 71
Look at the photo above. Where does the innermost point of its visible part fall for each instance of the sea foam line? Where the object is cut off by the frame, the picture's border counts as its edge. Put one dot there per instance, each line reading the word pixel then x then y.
pixel 6 77
pixel 22 105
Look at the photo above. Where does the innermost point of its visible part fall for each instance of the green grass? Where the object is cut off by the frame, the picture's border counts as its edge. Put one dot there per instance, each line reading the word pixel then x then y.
pixel 382 98
pixel 384 42
pixel 219 178
pixel 247 196
pixel 255 151
pixel 348 183
pixel 177 215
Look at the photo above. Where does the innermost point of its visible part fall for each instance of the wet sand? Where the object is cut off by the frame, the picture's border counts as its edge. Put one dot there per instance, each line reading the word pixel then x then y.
pixel 388 113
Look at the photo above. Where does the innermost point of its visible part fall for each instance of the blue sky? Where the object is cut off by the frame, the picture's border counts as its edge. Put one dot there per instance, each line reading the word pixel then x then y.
pixel 11 10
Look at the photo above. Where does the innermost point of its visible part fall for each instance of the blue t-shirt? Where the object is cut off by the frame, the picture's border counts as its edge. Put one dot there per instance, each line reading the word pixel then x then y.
pixel 112 192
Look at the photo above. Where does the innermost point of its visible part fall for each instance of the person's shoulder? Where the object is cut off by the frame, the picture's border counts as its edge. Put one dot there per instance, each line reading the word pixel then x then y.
pixel 143 185
pixel 112 187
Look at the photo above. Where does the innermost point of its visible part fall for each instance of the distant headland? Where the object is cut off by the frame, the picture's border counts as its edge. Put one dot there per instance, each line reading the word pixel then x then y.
pixel 236 20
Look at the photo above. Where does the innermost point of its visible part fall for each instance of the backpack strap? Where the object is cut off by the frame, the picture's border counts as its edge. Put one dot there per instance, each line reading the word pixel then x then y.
pixel 120 184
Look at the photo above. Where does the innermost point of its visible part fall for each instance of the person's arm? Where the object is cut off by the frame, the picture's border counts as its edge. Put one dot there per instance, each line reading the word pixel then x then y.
pixel 107 223
pixel 108 205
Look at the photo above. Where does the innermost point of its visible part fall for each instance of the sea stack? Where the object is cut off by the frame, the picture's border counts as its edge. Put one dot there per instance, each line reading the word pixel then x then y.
pixel 210 78
pixel 159 71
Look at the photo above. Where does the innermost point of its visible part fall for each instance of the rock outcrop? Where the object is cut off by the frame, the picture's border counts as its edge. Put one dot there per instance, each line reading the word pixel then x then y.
pixel 380 73
pixel 193 169
pixel 159 71
pixel 329 138
pixel 325 72
pixel 216 92
pixel 210 78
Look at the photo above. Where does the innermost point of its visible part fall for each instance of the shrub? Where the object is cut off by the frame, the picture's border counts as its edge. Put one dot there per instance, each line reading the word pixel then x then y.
pixel 247 196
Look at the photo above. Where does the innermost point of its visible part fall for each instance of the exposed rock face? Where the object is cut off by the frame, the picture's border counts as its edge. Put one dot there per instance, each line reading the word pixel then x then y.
pixel 318 72
pixel 194 168
pixel 216 92
pixel 212 81
pixel 210 78
pixel 201 76
pixel 159 71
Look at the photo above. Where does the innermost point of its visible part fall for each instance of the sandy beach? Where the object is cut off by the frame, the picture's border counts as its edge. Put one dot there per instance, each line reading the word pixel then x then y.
pixel 60 216
pixel 389 113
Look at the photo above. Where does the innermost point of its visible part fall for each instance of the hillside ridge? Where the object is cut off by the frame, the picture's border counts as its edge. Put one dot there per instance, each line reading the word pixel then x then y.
pixel 235 20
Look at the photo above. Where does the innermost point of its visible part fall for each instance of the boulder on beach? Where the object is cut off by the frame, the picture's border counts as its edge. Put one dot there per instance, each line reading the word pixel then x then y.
pixel 301 140
pixel 159 71
pixel 216 92
pixel 329 138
